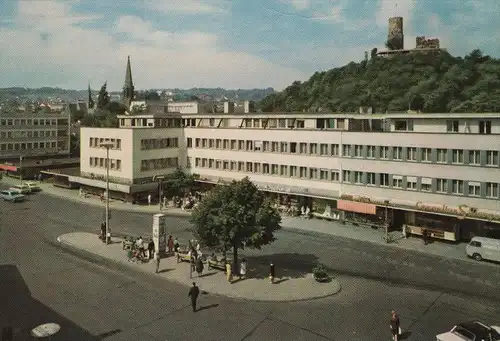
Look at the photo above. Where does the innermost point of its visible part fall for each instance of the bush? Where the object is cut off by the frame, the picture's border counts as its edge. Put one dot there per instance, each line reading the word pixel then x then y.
pixel 320 271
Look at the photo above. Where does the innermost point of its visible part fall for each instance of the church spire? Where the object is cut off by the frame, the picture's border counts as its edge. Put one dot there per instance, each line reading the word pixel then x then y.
pixel 128 86
pixel 90 100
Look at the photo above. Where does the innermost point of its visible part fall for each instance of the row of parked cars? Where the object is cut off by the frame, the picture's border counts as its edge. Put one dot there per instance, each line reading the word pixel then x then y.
pixel 18 193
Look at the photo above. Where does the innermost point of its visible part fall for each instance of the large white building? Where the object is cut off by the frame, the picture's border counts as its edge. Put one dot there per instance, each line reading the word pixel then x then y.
pixel 439 171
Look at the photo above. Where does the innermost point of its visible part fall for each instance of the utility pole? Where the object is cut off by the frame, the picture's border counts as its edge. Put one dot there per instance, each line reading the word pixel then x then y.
pixel 386 202
pixel 159 178
pixel 107 145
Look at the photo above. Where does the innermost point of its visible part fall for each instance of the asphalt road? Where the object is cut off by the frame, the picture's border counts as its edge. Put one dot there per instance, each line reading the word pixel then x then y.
pixel 40 283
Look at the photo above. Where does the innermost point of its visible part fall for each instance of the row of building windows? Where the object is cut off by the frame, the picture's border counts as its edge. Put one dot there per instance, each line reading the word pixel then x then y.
pixel 447 186
pixel 96 142
pixel 170 142
pixel 437 155
pixel 31 121
pixel 27 134
pixel 100 162
pixel 169 162
pixel 31 145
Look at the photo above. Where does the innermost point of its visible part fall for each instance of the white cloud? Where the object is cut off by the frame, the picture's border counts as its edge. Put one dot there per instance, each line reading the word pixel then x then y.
pixel 53 52
pixel 299 5
pixel 335 15
pixel 190 6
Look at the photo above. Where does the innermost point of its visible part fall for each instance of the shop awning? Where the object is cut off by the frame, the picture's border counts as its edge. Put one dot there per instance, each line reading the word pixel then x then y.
pixel 10 168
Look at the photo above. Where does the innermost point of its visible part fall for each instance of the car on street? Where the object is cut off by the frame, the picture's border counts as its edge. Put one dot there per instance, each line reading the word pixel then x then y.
pixel 471 331
pixel 12 196
pixel 21 189
pixel 33 186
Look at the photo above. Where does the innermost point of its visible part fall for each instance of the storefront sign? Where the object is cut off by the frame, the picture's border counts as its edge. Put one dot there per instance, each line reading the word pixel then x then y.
pixel 8 168
pixel 358 207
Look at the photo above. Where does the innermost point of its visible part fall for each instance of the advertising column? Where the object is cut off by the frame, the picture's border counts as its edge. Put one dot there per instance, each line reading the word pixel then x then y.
pixel 159 234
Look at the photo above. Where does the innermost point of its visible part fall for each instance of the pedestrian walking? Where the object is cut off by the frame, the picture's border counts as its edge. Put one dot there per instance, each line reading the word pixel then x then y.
pixel 194 292
pixel 103 231
pixel 149 199
pixel 395 329
pixel 151 248
pixel 199 266
pixel 140 247
pixel 271 272
pixel 170 244
pixel 157 256
pixel 243 268
pixel 165 202
pixel 176 245
pixel 404 231
pixel 425 236
pixel 229 274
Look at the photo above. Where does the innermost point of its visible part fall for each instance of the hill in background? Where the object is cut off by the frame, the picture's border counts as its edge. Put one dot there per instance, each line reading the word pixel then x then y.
pixel 426 82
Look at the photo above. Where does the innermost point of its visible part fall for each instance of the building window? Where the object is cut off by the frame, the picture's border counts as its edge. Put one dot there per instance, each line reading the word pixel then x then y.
pixel 241 145
pixel 411 154
pixel 346 176
pixel 313 173
pixel 303 148
pixel 218 143
pixel 257 145
pixel 492 190
pixel 484 127
pixel 384 153
pixel 441 185
pixel 426 154
pixel 474 189
pixel 384 179
pixel 300 124
pixel 282 123
pixel 323 174
pixel 457 187
pixel 274 169
pixel 284 147
pixel 249 168
pixel 334 149
pixel 293 147
pixel 335 175
pixel 492 158
pixel 323 149
pixel 284 170
pixel 274 147
pixel 370 178
pixel 398 153
pixel 189 142
pixel 313 148
pixel 256 123
pixel 370 152
pixel 256 167
pixel 403 125
pixel 458 156
pixel 346 150
pixel 118 164
pixel 265 168
pixel 266 146
pixel 211 143
pixel 358 177
pixel 441 155
pixel 397 181
pixel 358 150
pixel 241 166
pixel 293 171
pixel 426 185
pixel 452 126
pixel 303 172
pixel 474 157
pixel 411 183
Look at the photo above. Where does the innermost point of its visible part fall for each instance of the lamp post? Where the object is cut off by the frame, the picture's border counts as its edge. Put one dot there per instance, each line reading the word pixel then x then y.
pixel 159 178
pixel 386 202
pixel 107 145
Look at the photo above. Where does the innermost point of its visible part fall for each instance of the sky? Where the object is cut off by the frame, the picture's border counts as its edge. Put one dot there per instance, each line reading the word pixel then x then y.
pixel 218 43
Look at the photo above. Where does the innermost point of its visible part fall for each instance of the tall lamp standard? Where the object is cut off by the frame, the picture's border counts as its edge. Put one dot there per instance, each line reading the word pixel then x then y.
pixel 107 145
pixel 159 178
pixel 386 202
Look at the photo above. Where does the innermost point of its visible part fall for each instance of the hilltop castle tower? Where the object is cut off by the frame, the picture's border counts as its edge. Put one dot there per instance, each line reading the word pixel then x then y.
pixel 395 35
pixel 128 86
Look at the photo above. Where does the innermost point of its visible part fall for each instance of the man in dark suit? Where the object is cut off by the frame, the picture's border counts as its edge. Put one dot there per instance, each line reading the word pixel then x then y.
pixel 194 292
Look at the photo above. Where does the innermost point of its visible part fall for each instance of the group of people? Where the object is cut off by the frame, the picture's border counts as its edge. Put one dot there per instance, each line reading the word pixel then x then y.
pixel 140 249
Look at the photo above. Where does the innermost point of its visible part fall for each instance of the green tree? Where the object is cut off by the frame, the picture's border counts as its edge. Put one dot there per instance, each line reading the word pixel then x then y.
pixel 235 216
pixel 74 143
pixel 103 97
pixel 179 182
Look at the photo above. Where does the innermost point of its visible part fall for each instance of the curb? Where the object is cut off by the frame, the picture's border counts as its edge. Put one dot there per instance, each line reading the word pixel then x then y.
pixel 117 265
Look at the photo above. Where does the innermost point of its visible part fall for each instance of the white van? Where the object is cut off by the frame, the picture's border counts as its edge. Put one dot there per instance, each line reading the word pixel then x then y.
pixel 481 248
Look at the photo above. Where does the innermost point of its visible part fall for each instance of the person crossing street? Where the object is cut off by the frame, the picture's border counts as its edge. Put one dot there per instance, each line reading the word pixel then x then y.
pixel 194 292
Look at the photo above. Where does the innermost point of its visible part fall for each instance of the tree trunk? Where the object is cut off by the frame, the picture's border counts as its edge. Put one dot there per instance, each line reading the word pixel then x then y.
pixel 235 260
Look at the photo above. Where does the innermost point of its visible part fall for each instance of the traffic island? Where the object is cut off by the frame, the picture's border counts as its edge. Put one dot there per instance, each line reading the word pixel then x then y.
pixel 212 281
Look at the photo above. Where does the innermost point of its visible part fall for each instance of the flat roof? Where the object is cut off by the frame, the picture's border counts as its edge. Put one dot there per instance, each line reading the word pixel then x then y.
pixel 74 171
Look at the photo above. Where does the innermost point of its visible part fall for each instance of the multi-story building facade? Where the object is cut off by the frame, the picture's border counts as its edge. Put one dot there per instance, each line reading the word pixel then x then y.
pixel 438 171
pixel 34 135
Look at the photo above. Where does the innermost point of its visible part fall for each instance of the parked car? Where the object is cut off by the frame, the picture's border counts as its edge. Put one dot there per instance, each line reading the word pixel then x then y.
pixel 33 186
pixel 12 196
pixel 481 248
pixel 21 189
pixel 471 331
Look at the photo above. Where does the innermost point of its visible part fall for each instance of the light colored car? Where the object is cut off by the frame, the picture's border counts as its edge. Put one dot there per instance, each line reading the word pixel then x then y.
pixel 21 189
pixel 12 196
pixel 34 187
pixel 471 331
pixel 481 248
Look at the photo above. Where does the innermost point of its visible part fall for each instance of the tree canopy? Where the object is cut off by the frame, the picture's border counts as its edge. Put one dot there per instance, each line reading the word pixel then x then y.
pixel 103 97
pixel 235 216
pixel 178 182
pixel 418 81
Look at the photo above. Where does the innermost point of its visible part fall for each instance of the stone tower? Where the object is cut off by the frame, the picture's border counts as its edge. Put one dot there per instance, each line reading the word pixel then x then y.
pixel 128 86
pixel 395 34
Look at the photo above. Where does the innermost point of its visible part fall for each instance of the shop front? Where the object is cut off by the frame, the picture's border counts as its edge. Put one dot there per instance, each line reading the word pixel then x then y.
pixel 364 214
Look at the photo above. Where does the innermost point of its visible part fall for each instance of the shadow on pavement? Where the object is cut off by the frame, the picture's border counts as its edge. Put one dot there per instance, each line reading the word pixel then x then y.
pixel 290 265
pixel 20 312
pixel 405 335
pixel 207 307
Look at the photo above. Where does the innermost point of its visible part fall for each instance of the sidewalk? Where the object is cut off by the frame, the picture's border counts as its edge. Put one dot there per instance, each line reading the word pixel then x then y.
pixel 334 228
pixel 294 287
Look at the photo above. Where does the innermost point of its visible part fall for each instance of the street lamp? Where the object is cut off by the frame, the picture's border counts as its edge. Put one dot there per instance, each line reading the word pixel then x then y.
pixel 107 145
pixel 159 178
